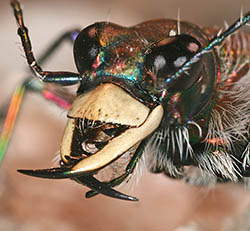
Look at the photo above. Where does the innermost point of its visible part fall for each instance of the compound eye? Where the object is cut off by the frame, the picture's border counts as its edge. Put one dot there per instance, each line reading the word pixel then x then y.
pixel 86 48
pixel 168 56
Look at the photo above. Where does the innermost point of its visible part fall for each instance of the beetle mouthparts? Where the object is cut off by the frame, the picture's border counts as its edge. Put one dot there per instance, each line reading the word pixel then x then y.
pixel 91 143
pixel 51 173
pixel 88 180
pixel 103 188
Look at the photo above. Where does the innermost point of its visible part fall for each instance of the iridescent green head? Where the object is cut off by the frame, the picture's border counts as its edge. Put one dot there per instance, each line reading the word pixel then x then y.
pixel 143 59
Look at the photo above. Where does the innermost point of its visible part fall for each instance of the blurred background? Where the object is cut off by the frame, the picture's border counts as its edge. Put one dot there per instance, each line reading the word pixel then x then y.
pixel 28 203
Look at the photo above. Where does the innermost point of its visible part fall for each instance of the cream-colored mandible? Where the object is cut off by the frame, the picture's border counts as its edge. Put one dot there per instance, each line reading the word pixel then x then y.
pixel 111 104
pixel 120 144
pixel 121 108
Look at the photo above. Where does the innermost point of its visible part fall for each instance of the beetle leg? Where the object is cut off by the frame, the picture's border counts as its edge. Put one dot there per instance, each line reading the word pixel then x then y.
pixel 66 36
pixel 62 78
pixel 13 108
pixel 11 119
pixel 53 93
pixel 60 96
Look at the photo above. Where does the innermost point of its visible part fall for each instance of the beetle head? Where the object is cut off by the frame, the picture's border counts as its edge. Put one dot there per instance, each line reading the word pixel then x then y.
pixel 127 94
